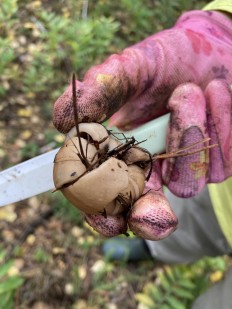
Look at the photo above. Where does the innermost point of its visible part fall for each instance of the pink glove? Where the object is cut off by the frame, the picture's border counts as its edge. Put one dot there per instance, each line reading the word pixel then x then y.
pixel 186 69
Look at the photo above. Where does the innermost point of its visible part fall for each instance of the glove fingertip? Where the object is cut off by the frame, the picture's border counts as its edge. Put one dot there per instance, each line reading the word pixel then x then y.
pixel 151 217
pixel 186 175
pixel 109 226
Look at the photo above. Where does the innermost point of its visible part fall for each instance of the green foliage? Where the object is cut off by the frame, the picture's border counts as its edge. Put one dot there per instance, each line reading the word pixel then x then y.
pixel 42 43
pixel 167 12
pixel 30 150
pixel 8 283
pixel 51 139
pixel 139 19
pixel 65 210
pixel 7 54
pixel 178 286
pixel 65 42
pixel 40 255
pixel 8 8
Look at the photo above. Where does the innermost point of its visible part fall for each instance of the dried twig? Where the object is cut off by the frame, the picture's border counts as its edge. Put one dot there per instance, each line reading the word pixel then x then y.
pixel 75 112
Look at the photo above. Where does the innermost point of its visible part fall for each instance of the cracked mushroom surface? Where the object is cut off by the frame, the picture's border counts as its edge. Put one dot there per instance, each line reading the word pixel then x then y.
pixel 102 182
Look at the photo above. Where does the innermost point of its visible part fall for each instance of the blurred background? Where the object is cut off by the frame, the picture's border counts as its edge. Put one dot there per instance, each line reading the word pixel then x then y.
pixel 49 258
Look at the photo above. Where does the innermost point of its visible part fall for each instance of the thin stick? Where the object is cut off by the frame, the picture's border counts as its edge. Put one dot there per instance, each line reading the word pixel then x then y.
pixel 121 147
pixel 75 110
pixel 176 154
pixel 207 139
pixel 150 169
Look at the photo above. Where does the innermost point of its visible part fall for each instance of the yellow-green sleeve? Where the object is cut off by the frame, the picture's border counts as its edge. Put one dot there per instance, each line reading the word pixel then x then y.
pixel 221 197
pixel 221 194
pixel 219 5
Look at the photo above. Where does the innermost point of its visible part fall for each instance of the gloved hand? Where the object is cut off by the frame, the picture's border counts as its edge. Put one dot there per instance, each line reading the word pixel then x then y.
pixel 186 70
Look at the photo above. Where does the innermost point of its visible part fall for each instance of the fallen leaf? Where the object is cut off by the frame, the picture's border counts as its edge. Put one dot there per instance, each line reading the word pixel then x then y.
pixel 112 306
pixel 2 153
pixel 35 119
pixel 20 143
pixel 30 95
pixel 69 289
pixel 59 138
pixel 29 25
pixel 31 239
pixel 144 299
pixel 26 134
pixel 8 236
pixel 82 272
pixel 34 4
pixel 24 112
pixel 90 240
pixel 142 306
pixel 8 213
pixel 41 305
pixel 216 276
pixel 57 250
pixel 34 202
pixel 19 263
pixel 98 266
pixel 76 231
pixel 81 241
pixel 13 271
pixel 80 304
pixel 61 265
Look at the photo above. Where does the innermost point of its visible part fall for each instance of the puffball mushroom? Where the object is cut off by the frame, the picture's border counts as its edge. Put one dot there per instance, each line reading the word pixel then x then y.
pixel 105 184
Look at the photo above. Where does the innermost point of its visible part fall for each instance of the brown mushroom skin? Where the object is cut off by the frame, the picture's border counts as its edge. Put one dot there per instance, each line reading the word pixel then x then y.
pixel 93 192
pixel 67 164
pixel 106 187
pixel 136 184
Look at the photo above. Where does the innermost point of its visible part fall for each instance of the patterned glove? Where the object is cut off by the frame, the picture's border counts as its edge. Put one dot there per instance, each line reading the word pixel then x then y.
pixel 186 70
